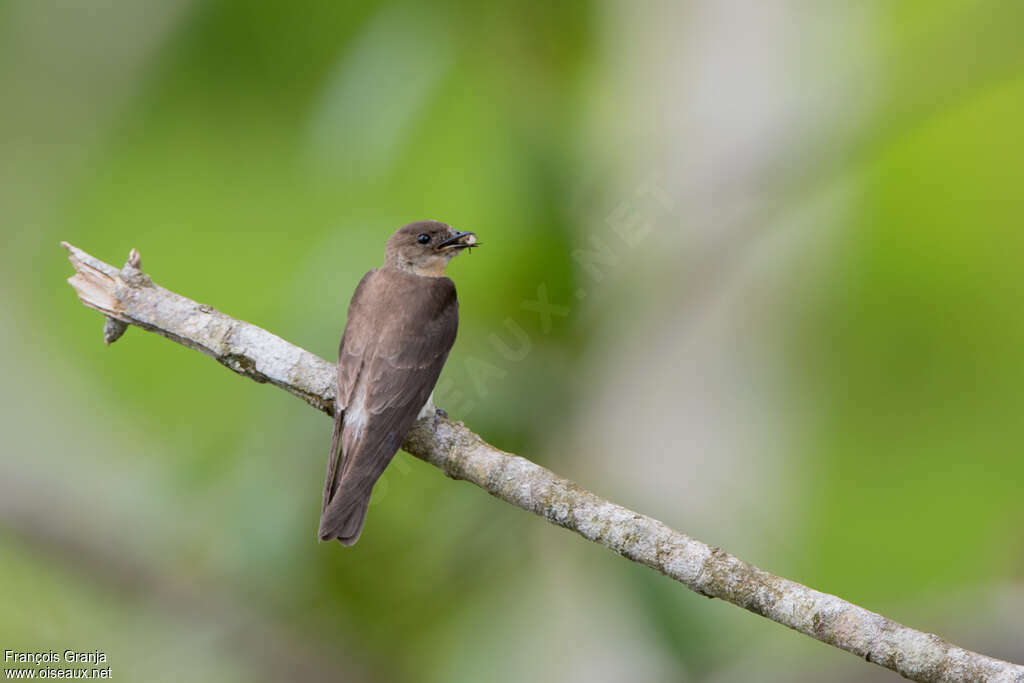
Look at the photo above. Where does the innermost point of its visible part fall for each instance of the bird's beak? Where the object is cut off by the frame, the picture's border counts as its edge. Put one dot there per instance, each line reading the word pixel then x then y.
pixel 460 240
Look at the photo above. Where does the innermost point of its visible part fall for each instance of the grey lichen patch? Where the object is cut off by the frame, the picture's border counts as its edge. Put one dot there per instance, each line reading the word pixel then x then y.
pixel 686 561
pixel 555 504
pixel 315 377
pixel 133 277
pixel 823 627
pixel 920 654
pixel 964 665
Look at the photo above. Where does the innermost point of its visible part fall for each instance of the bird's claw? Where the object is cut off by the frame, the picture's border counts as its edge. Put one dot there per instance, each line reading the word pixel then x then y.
pixel 438 414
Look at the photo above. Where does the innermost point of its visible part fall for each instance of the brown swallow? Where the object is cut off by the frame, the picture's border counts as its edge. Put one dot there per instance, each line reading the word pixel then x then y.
pixel 401 325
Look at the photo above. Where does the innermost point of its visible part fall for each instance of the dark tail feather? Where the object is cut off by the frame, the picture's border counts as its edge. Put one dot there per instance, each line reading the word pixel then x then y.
pixel 345 501
pixel 344 517
pixel 334 461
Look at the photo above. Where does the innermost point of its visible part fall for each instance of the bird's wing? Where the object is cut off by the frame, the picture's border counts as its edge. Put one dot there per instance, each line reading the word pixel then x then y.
pixel 412 329
pixel 351 354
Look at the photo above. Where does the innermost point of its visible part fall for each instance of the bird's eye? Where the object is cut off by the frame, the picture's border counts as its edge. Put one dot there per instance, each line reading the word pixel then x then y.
pixel 423 239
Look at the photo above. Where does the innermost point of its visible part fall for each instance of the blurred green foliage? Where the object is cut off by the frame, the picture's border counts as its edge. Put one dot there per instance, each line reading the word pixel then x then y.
pixel 921 362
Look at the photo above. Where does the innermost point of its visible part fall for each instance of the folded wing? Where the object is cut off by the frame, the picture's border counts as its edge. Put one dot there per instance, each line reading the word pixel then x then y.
pixel 399 332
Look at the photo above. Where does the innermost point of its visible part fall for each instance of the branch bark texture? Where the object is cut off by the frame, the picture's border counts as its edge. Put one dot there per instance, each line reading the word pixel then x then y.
pixel 127 296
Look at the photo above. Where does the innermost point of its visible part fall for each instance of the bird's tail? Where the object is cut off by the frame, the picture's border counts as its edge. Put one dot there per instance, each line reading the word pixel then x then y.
pixel 344 507
pixel 344 518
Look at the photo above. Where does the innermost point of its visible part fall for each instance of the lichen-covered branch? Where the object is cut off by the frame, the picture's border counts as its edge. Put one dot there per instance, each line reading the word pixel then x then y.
pixel 128 297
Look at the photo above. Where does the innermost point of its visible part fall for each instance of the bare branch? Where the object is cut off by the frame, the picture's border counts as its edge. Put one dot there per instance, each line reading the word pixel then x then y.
pixel 129 297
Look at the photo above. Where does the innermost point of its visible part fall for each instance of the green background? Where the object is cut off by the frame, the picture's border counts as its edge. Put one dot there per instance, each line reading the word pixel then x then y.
pixel 802 337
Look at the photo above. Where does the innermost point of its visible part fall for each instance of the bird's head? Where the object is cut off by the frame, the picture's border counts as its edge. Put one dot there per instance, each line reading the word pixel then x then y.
pixel 426 247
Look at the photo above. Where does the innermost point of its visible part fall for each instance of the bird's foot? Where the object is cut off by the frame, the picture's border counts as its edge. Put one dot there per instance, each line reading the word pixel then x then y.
pixel 438 414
